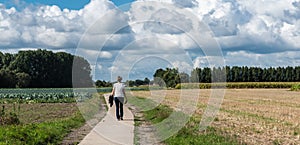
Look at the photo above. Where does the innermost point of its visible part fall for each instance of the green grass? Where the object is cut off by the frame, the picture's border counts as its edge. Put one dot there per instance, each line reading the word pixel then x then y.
pixel 188 134
pixel 91 106
pixel 208 138
pixel 39 133
pixel 295 87
pixel 158 114
pixel 142 103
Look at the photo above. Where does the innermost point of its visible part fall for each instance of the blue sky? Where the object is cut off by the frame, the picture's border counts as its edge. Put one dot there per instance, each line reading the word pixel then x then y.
pixel 69 4
pixel 155 34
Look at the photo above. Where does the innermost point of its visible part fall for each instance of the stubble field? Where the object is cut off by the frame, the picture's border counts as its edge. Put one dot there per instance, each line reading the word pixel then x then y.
pixel 252 116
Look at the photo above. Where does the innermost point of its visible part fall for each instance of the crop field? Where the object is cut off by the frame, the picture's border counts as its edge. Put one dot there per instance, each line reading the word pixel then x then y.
pixel 252 116
pixel 236 85
pixel 45 116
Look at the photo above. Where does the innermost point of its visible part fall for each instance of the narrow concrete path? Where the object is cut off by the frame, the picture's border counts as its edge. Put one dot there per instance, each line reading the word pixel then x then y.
pixel 110 131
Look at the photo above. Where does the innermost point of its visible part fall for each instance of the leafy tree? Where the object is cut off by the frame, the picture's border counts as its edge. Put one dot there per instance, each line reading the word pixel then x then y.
pixel 43 69
pixel 184 77
pixel 1 60
pixel 146 81
pixel 195 75
pixel 158 77
pixel 169 76
pixel 23 80
pixel 245 74
pixel 103 83
pixel 130 83
pixel 81 73
pixel 7 59
pixel 139 82
pixel 297 73
pixel 7 79
pixel 289 74
pixel 205 75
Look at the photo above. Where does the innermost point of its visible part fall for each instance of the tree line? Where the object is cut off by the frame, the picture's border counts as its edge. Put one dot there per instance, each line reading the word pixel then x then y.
pixel 171 76
pixel 42 69
pixel 130 83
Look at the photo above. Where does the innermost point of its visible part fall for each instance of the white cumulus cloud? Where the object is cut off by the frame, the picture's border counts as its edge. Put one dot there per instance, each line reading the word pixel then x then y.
pixel 260 33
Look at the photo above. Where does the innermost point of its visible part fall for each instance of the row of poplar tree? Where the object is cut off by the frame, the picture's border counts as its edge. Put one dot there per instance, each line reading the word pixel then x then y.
pixel 171 76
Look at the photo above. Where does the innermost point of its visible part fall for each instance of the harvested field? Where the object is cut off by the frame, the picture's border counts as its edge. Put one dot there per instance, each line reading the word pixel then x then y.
pixel 42 112
pixel 253 116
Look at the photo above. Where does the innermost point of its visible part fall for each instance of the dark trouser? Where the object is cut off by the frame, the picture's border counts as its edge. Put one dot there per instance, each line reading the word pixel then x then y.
pixel 119 106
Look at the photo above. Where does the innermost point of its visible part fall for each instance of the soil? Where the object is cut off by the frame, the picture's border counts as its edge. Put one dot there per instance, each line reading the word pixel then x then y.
pixel 76 135
pixel 144 134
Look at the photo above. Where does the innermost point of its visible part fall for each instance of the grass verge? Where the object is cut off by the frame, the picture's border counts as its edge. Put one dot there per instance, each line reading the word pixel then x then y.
pixel 39 133
pixel 295 87
pixel 189 134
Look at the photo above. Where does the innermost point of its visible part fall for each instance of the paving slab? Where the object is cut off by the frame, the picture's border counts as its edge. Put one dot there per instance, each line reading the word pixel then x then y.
pixel 110 131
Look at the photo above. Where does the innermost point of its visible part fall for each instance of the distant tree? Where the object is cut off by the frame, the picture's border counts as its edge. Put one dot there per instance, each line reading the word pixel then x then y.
pixel 232 74
pixel 7 59
pixel 205 75
pixel 218 74
pixel 158 77
pixel 184 77
pixel 7 79
pixel 1 60
pixel 22 80
pixel 277 74
pixel 138 82
pixel 245 74
pixel 63 65
pixel 170 77
pixel 289 74
pixel 81 73
pixel 146 81
pixel 297 73
pixel 48 69
pixel 103 83
pixel 228 74
pixel 130 83
pixel 195 75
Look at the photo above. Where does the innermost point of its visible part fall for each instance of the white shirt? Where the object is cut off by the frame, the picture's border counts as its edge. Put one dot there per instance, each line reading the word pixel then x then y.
pixel 119 87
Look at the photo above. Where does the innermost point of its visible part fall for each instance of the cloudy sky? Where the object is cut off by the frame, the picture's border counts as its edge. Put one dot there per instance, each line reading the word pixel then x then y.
pixel 135 39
